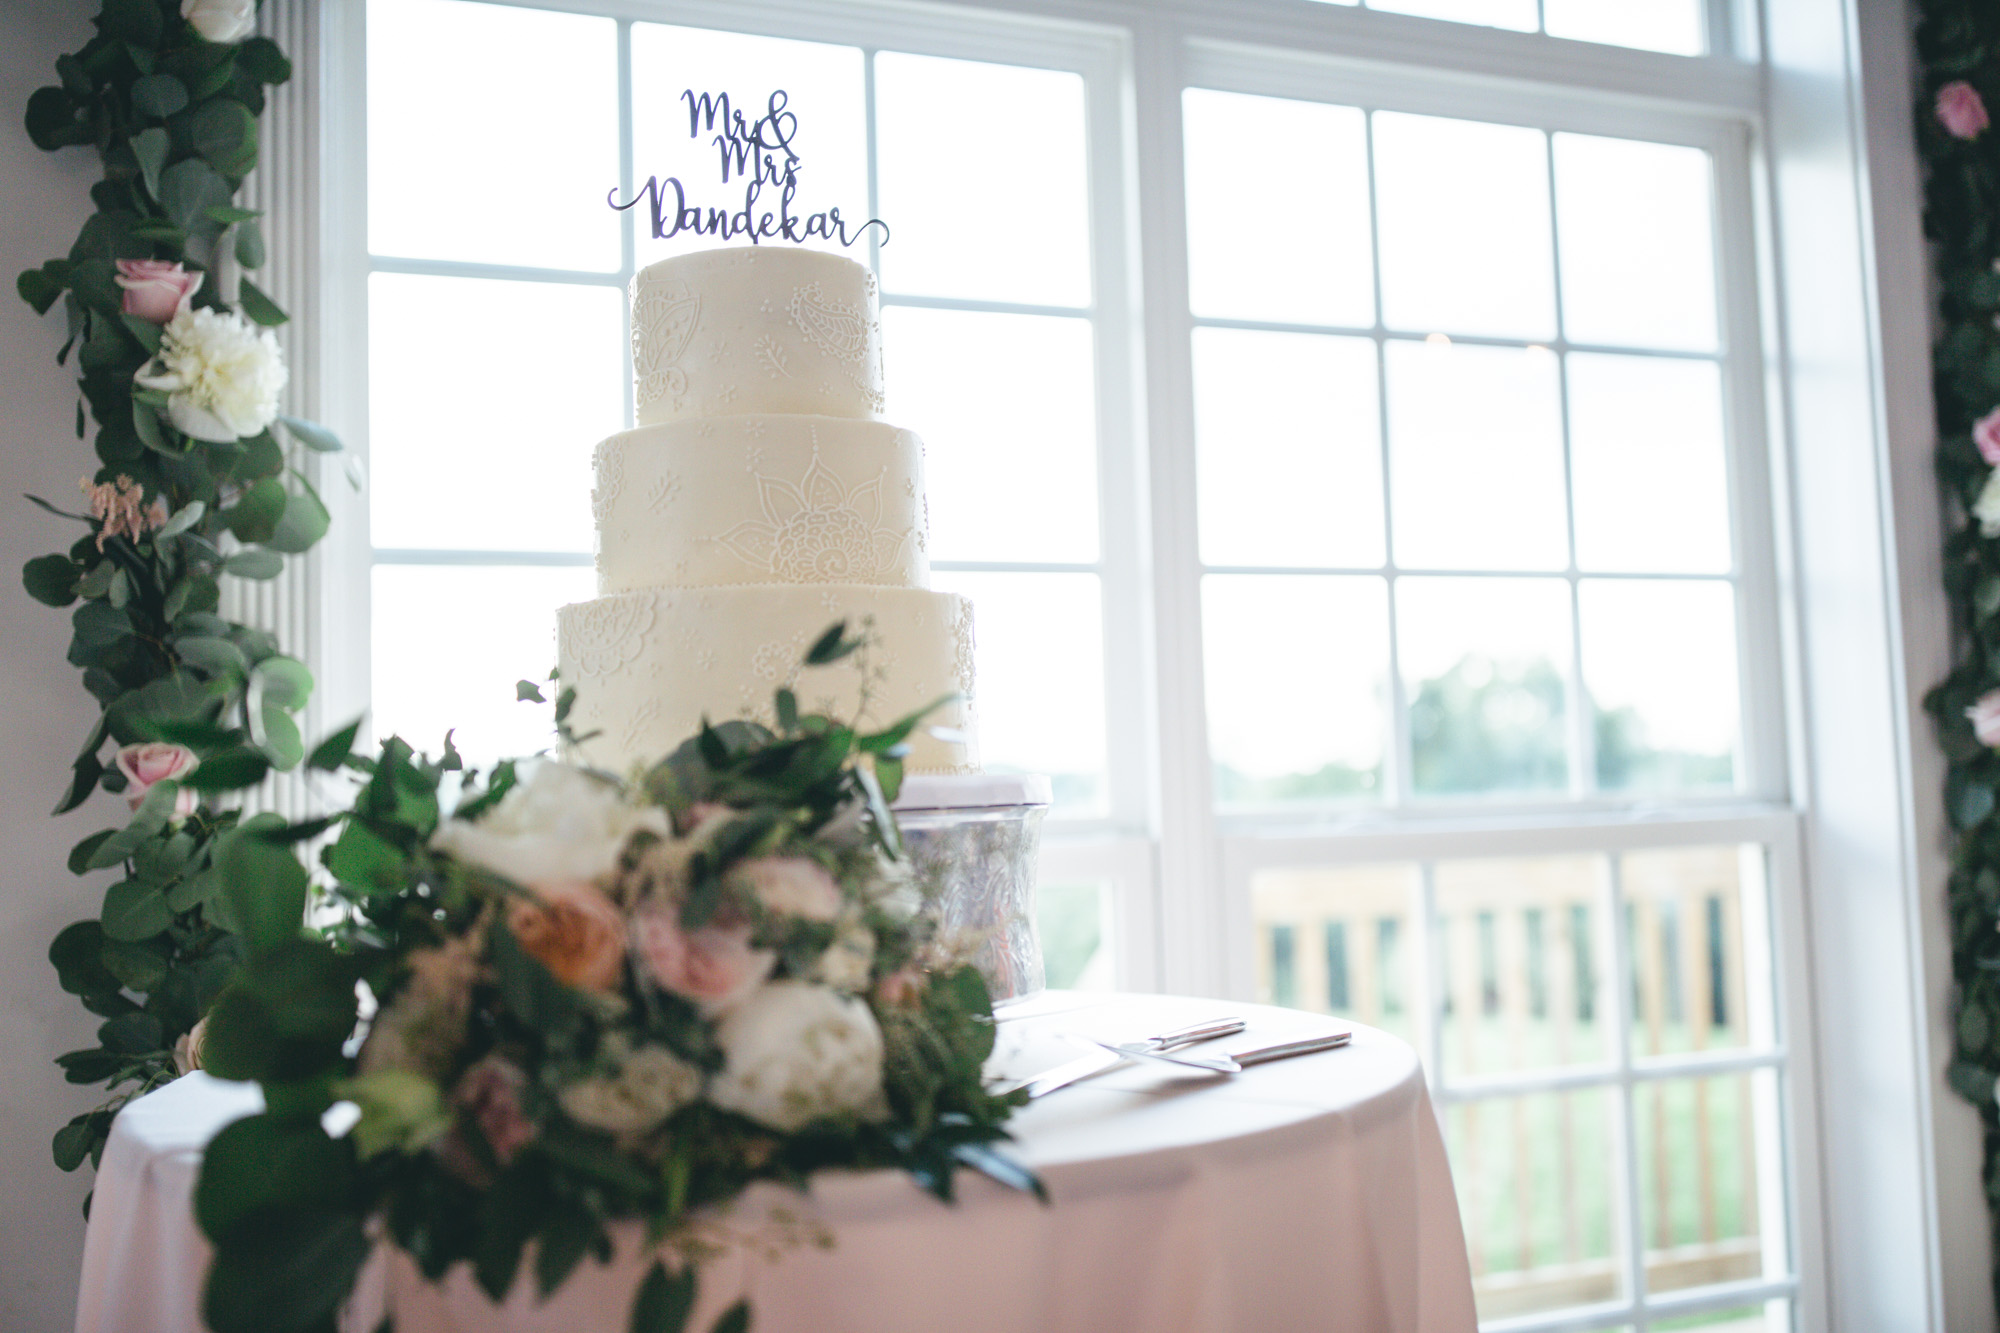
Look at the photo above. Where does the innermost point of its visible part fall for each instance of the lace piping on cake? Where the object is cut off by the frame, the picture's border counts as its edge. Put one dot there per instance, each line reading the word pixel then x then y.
pixel 818 531
pixel 608 472
pixel 962 648
pixel 664 316
pixel 608 634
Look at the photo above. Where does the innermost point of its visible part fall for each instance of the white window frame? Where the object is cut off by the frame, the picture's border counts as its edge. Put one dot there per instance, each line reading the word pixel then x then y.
pixel 1891 1236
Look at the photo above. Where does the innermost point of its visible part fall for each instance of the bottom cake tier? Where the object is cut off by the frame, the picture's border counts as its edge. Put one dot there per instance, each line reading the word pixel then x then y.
pixel 647 666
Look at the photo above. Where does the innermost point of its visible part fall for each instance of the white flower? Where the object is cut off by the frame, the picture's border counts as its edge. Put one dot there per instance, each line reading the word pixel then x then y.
pixel 559 824
pixel 223 374
pixel 1987 507
pixel 1985 718
pixel 844 966
pixel 796 1052
pixel 188 1047
pixel 221 20
pixel 789 886
pixel 652 1084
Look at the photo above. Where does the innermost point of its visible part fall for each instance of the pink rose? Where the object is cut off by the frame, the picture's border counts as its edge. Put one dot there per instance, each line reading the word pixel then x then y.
pixel 1985 718
pixel 1961 110
pixel 714 966
pixel 789 886
pixel 156 762
pixel 901 987
pixel 1986 434
pixel 155 290
pixel 489 1093
pixel 574 931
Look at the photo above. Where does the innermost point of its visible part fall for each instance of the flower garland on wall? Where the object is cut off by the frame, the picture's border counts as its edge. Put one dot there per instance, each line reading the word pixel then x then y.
pixel 181 374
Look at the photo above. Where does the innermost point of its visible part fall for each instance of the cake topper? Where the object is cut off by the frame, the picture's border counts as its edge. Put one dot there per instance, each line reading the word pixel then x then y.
pixel 760 155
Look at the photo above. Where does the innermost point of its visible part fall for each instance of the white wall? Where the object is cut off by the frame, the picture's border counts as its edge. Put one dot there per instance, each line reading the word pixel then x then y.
pixel 44 712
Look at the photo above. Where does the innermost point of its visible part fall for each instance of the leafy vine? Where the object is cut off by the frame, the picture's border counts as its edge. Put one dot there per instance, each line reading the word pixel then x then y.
pixel 179 373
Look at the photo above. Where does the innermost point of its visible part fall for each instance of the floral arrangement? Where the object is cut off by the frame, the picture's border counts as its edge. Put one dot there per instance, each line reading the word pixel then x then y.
pixel 180 372
pixel 595 1002
pixel 1958 42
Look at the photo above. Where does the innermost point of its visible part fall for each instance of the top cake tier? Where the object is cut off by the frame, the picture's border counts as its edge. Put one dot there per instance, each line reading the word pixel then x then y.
pixel 726 332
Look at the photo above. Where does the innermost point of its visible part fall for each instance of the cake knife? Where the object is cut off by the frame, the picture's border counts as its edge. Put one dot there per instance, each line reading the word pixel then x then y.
pixel 1234 1062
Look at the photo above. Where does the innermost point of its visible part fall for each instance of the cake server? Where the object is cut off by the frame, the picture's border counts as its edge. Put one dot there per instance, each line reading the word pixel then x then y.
pixel 1235 1061
pixel 1097 1061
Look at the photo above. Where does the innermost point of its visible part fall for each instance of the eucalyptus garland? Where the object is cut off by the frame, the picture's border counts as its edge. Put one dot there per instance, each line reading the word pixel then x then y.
pixel 180 375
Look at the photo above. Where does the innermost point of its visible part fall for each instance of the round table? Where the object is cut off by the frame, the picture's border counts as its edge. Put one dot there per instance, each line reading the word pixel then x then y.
pixel 1310 1193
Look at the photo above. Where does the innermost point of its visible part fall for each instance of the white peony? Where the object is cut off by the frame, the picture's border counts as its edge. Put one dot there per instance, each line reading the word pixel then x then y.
pixel 845 964
pixel 795 1052
pixel 789 886
pixel 1987 507
pixel 652 1084
pixel 223 375
pixel 224 21
pixel 558 824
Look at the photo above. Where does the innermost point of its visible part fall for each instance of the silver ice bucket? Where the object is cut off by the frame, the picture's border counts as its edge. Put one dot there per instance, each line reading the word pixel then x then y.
pixel 975 841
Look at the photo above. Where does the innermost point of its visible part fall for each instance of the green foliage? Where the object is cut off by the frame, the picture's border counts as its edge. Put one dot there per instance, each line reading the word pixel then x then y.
pixel 174 122
pixel 1960 40
pixel 277 1196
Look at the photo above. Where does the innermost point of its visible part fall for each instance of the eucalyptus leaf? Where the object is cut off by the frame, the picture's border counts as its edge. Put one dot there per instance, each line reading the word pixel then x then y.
pixel 51 579
pixel 255 564
pixel 135 911
pixel 158 96
pixel 261 308
pixel 312 435
pixel 224 131
pixel 183 518
pixel 250 244
pixel 301 525
pixel 265 886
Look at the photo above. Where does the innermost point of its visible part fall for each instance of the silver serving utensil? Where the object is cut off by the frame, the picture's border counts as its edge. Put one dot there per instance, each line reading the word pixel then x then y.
pixel 1235 1061
pixel 1096 1062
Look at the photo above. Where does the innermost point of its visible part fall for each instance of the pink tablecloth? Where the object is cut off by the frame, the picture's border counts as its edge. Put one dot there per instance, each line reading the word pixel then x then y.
pixel 1307 1194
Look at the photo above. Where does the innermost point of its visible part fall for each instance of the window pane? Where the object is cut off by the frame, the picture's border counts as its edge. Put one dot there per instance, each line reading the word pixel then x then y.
pixel 1699 1214
pixel 1672 26
pixel 983 180
pixel 1476 457
pixel 1298 670
pixel 1646 449
pixel 467 451
pixel 1007 408
pixel 1688 914
pixel 1253 158
pixel 823 85
pixel 1484 665
pixel 1523 960
pixel 1290 449
pixel 1464 210
pixel 1535 1190
pixel 1659 660
pixel 1073 920
pixel 449 643
pixel 1040 664
pixel 1340 940
pixel 1638 243
pixel 500 153
pixel 1516 14
pixel 1770 1317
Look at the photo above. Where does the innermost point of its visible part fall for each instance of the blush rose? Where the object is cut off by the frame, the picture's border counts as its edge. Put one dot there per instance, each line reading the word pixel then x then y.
pixel 1961 110
pixel 147 765
pixel 1985 718
pixel 789 886
pixel 713 966
pixel 155 290
pixel 574 931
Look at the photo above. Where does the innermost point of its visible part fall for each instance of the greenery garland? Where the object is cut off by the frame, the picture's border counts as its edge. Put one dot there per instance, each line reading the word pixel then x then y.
pixel 179 372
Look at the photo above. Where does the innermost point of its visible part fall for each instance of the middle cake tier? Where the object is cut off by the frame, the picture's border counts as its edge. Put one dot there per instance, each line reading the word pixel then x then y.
pixel 648 666
pixel 760 499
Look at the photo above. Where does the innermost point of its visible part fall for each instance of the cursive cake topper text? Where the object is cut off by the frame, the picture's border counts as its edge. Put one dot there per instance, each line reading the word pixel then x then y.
pixel 759 154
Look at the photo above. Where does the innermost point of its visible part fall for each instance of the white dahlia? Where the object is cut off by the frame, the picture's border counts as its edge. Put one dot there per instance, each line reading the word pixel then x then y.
pixel 222 373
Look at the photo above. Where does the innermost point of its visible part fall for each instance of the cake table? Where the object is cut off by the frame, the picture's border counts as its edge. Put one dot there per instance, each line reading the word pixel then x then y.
pixel 1307 1194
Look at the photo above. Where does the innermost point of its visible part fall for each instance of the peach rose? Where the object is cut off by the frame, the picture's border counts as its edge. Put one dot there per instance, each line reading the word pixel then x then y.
pixel 155 290
pixel 574 931
pixel 154 762
pixel 714 966
pixel 1961 110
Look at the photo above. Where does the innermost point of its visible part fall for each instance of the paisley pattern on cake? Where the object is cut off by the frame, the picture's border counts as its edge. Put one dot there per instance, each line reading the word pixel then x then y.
pixel 600 637
pixel 664 316
pixel 840 331
pixel 818 531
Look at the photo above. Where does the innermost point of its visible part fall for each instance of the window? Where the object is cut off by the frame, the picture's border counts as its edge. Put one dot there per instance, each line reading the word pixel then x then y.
pixel 1357 471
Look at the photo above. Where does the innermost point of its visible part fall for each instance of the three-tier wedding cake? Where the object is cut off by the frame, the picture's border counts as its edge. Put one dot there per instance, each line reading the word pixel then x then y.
pixel 759 500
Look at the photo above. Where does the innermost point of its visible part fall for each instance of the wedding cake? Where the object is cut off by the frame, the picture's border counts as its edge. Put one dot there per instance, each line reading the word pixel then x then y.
pixel 759 500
